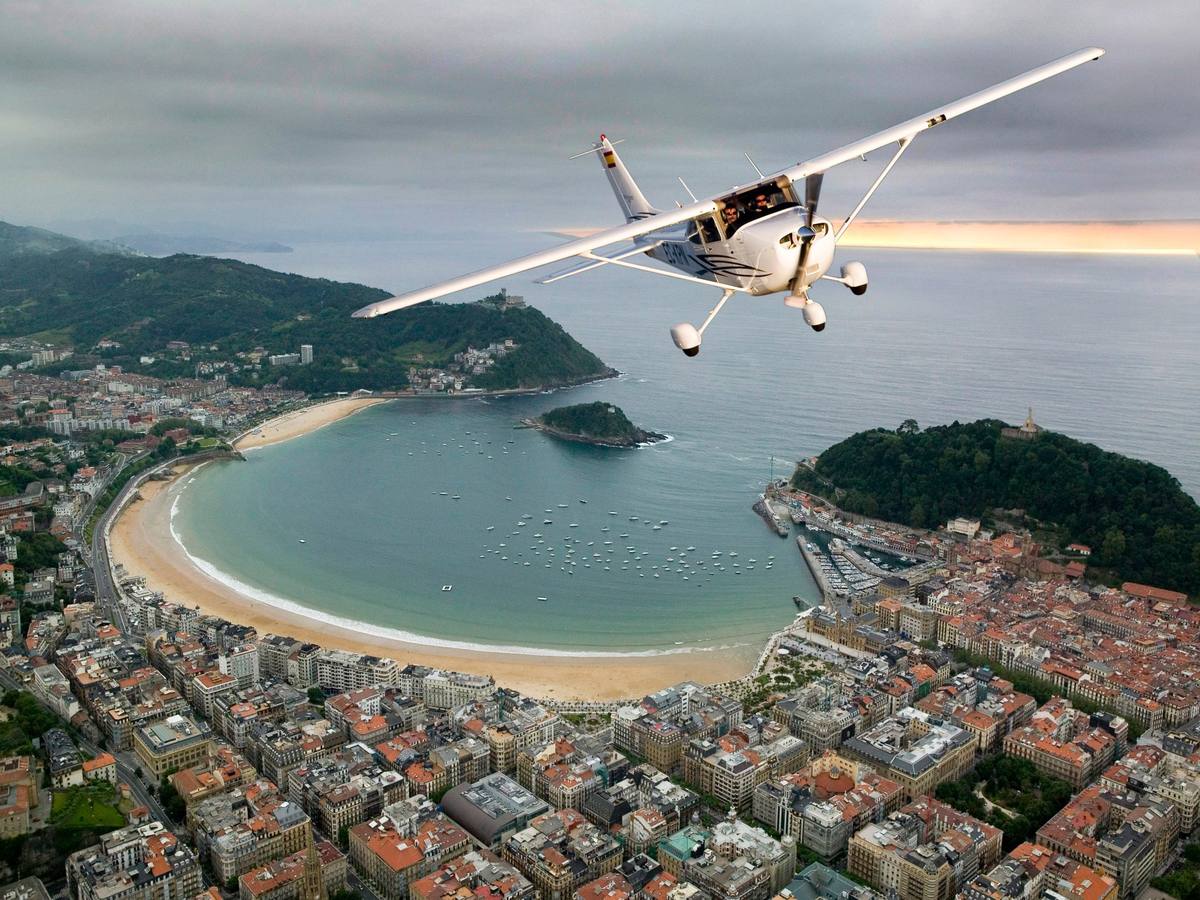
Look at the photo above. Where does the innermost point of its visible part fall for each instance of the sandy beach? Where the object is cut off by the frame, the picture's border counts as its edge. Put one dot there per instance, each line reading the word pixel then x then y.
pixel 141 540
pixel 302 421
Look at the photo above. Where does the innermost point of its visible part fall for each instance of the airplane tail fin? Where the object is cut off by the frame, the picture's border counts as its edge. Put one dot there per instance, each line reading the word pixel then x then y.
pixel 629 195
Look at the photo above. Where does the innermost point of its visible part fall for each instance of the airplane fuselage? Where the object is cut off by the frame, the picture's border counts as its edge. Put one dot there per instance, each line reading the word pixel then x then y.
pixel 760 257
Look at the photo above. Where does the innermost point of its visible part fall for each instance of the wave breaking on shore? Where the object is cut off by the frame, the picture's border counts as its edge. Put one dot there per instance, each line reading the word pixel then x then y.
pixel 399 636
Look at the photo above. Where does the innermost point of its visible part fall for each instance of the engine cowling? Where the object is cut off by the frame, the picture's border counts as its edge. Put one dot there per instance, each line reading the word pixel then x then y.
pixel 686 338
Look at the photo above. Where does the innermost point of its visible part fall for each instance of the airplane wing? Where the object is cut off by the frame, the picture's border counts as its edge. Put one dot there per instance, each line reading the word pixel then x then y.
pixel 541 258
pixel 909 129
pixel 584 247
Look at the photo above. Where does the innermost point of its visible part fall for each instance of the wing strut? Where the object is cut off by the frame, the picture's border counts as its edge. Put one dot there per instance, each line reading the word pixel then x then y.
pixel 904 142
pixel 624 263
pixel 596 260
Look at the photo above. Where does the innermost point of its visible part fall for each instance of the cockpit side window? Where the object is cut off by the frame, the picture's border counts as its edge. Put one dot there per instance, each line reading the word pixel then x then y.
pixel 706 231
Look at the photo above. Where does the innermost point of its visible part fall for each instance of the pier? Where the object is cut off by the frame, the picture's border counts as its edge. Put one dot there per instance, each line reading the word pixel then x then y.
pixel 778 524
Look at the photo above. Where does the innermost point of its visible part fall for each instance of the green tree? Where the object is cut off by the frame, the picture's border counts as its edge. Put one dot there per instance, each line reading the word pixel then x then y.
pixel 1113 547
pixel 172 803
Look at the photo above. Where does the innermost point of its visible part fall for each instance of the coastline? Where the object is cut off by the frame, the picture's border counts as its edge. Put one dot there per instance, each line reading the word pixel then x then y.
pixel 301 421
pixel 141 540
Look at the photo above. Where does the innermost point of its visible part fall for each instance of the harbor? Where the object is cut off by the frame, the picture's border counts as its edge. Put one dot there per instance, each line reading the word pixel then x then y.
pixel 845 558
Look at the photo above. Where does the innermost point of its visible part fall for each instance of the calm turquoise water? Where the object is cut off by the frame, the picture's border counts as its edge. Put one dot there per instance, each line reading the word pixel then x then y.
pixel 1102 348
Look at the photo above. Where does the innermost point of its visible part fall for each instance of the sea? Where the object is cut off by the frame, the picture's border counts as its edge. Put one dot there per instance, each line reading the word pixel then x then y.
pixel 438 521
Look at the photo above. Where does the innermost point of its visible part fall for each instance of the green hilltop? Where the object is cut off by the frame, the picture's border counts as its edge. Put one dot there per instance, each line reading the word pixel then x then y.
pixel 73 293
pixel 594 423
pixel 1134 515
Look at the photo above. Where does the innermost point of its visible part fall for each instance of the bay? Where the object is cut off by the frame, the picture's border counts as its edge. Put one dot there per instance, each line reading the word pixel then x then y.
pixel 1101 347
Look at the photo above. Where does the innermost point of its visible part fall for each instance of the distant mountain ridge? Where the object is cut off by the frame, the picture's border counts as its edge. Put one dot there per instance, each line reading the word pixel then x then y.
pixel 16 240
pixel 156 244
pixel 68 292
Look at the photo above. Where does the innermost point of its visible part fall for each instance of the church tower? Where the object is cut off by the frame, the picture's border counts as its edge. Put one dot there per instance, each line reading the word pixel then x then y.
pixel 313 887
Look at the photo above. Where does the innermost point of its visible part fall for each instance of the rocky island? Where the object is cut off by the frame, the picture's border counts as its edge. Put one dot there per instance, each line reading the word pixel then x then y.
pixel 599 423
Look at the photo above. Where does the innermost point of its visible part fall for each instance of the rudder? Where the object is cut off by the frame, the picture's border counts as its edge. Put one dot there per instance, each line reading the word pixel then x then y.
pixel 629 195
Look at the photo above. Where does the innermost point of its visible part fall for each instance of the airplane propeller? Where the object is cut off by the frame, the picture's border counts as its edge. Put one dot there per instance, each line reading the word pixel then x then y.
pixel 814 313
pixel 812 195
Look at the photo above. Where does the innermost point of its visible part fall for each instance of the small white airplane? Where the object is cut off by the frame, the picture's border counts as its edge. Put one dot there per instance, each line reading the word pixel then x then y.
pixel 759 238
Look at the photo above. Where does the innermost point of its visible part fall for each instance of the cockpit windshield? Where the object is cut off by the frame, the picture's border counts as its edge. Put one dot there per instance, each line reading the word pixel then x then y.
pixel 754 203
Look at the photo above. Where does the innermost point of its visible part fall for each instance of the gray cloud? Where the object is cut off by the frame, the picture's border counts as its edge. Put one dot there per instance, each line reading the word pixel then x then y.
pixel 327 118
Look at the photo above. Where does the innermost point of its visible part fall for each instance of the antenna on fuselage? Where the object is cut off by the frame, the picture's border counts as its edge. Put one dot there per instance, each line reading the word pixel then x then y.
pixel 753 165
pixel 686 188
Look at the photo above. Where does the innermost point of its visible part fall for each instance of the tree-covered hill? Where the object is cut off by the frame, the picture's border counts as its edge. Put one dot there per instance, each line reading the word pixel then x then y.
pixel 1134 515
pixel 598 423
pixel 76 296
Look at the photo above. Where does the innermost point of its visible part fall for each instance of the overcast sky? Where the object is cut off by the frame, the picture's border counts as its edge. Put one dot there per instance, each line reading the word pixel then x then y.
pixel 280 120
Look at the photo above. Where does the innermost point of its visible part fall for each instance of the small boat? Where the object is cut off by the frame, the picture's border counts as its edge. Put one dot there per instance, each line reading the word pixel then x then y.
pixel 447 588
pixel 543 599
pixel 573 525
pixel 657 528
pixel 581 500
pixel 456 497
pixel 303 541
pixel 491 528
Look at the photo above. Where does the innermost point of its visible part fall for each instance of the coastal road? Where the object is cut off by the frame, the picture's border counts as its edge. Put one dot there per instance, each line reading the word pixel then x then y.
pixel 106 590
